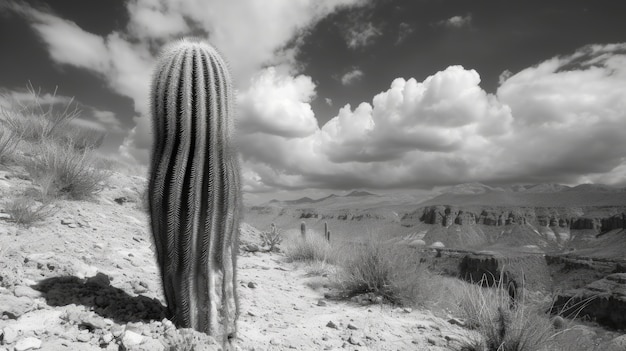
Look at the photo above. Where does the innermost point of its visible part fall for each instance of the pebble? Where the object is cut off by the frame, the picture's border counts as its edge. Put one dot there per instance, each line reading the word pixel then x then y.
pixel 26 291
pixel 10 335
pixel 131 338
pixel 29 343
pixel 355 340
pixel 84 337
pixel 252 285
pixel 107 338
pixel 331 324
pixel 117 330
pixel 321 303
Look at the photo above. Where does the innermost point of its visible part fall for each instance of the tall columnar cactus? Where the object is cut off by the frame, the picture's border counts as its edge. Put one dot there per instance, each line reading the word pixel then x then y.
pixel 194 190
pixel 303 229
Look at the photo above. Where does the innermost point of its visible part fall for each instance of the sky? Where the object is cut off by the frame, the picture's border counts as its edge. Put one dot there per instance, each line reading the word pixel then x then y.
pixel 334 95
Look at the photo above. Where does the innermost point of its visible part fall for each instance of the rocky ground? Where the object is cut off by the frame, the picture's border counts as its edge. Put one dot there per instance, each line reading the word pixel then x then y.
pixel 86 279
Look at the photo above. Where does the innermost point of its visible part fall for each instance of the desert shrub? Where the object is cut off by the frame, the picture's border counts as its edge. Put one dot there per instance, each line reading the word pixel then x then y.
pixel 34 120
pixel 309 249
pixel 26 212
pixel 391 271
pixel 8 142
pixel 271 238
pixel 504 326
pixel 80 138
pixel 63 171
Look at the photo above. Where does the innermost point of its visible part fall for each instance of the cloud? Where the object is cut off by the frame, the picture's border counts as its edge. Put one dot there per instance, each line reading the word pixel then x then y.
pixel 457 21
pixel 252 34
pixel 352 76
pixel 277 104
pixel 404 31
pixel 559 121
pixel 328 101
pixel 359 32
pixel 108 119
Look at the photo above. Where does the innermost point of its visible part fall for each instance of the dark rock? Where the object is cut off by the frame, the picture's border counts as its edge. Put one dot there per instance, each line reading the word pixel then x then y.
pixel 603 300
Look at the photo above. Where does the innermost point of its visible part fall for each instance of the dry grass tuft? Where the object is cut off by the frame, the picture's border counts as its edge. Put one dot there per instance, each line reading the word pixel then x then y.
pixel 64 172
pixel 27 212
pixel 8 143
pixel 309 249
pixel 391 271
pixel 502 325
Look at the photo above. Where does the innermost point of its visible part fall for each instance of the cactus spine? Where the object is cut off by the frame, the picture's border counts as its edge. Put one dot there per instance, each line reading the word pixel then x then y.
pixel 303 229
pixel 194 189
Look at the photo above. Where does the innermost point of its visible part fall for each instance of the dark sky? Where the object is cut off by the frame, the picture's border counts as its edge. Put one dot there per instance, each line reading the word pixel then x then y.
pixel 450 115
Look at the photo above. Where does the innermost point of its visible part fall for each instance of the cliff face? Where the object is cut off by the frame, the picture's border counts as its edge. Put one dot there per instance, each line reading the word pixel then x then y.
pixel 569 218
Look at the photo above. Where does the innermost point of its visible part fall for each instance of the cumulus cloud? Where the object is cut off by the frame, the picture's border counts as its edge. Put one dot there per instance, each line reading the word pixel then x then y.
pixel 457 21
pixel 351 77
pixel 254 33
pixel 559 121
pixel 277 104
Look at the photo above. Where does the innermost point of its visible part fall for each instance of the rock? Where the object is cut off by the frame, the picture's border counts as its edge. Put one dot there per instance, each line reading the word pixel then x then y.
pixel 84 337
pixel 437 245
pixel 275 341
pixel 432 341
pixel 456 321
pixel 252 285
pixel 29 343
pixel 107 338
pixel 353 340
pixel 331 324
pixel 617 344
pixel 26 291
pixel 67 221
pixel 130 338
pixel 407 310
pixel 150 345
pixel 352 326
pixel 558 322
pixel 603 300
pixel 321 303
pixel 117 330
pixel 9 335
pixel 13 306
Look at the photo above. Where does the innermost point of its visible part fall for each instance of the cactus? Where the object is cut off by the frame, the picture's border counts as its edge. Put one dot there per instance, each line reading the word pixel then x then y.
pixel 326 232
pixel 303 229
pixel 194 189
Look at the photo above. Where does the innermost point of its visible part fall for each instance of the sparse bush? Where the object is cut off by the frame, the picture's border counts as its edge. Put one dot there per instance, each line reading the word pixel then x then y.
pixel 27 212
pixel 271 238
pixel 33 120
pixel 309 249
pixel 8 141
pixel 80 138
pixel 391 271
pixel 65 172
pixel 502 326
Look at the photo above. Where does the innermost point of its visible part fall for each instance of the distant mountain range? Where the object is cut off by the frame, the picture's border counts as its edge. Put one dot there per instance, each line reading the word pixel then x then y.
pixel 308 200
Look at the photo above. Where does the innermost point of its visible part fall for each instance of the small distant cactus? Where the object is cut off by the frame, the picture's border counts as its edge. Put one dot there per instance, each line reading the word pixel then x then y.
pixel 326 232
pixel 303 229
pixel 194 189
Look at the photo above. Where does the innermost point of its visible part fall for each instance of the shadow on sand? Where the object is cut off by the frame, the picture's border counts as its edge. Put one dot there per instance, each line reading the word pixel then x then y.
pixel 105 299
